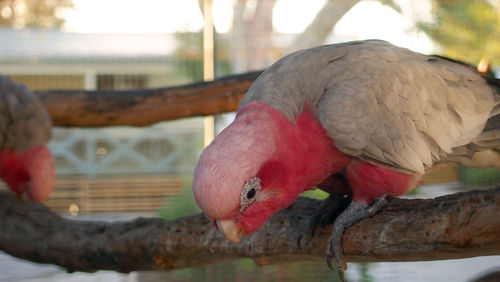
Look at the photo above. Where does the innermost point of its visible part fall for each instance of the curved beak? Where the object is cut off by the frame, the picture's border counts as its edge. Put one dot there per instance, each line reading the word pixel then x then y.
pixel 230 230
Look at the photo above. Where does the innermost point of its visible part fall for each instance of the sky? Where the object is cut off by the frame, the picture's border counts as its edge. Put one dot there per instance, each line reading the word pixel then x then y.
pixel 173 15
pixel 368 19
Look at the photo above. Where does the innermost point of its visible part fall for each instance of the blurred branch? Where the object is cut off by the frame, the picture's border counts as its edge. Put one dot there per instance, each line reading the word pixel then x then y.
pixel 144 107
pixel 251 34
pixel 326 19
pixel 323 23
pixel 454 226
pixel 258 34
pixel 392 4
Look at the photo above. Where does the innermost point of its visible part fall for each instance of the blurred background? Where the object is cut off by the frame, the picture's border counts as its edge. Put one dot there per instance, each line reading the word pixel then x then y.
pixel 117 173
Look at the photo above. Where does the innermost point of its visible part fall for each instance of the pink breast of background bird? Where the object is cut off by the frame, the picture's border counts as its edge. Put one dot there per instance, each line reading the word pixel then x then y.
pixel 26 164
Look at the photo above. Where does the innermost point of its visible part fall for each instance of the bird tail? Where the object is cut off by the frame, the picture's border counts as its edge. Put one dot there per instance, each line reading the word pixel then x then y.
pixel 484 150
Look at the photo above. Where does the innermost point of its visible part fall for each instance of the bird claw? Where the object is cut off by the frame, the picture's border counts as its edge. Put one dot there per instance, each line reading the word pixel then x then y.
pixel 302 235
pixel 329 261
pixel 324 215
pixel 323 222
pixel 298 242
pixel 354 213
pixel 335 251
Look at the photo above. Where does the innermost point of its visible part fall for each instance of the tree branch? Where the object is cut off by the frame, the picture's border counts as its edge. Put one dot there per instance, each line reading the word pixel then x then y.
pixel 317 31
pixel 144 107
pixel 453 226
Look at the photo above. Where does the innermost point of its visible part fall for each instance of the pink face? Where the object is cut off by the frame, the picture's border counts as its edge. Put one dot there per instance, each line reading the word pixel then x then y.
pixel 31 172
pixel 260 197
pixel 222 179
pixel 242 177
pixel 255 207
pixel 262 146
pixel 234 157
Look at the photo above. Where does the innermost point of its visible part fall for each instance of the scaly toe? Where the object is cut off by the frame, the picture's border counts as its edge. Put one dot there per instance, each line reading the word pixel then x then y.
pixel 324 215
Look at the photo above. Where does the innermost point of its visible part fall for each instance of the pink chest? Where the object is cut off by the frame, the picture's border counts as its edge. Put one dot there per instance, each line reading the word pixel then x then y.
pixel 12 171
pixel 369 181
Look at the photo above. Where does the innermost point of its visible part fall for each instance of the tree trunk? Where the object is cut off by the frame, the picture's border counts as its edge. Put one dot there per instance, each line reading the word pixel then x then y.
pixel 259 31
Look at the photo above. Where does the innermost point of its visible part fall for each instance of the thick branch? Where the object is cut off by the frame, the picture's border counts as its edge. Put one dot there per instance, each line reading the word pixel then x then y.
pixel 145 107
pixel 454 226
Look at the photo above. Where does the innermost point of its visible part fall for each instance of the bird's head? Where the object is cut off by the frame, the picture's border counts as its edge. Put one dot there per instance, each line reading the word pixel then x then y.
pixel 255 167
pixel 30 173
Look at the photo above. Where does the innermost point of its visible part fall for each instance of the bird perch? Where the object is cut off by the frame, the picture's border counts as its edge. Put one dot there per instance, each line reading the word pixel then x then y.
pixel 144 107
pixel 454 226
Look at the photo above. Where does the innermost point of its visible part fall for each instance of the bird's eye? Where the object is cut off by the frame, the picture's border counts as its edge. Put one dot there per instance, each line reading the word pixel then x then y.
pixel 251 193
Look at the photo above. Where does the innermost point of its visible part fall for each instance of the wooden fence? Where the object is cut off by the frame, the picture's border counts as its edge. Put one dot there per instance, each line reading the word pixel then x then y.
pixel 113 194
pixel 119 194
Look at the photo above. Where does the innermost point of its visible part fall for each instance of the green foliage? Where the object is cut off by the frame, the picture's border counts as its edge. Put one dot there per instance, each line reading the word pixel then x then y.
pixel 189 56
pixel 33 13
pixel 364 270
pixel 182 204
pixel 478 177
pixel 315 194
pixel 466 30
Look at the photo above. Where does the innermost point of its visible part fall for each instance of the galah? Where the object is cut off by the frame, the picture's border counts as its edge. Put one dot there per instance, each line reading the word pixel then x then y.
pixel 367 113
pixel 26 164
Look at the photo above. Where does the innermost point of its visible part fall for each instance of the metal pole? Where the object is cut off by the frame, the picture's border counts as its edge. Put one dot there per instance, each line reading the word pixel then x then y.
pixel 208 63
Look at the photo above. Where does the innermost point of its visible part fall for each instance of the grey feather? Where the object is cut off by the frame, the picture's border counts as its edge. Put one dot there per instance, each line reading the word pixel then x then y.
pixel 384 103
pixel 24 122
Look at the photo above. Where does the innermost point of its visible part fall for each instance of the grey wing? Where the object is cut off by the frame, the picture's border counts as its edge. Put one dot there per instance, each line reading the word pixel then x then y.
pixel 24 122
pixel 298 77
pixel 381 102
pixel 403 108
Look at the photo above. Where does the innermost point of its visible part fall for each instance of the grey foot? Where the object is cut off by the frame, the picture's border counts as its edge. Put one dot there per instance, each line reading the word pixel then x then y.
pixel 354 213
pixel 330 208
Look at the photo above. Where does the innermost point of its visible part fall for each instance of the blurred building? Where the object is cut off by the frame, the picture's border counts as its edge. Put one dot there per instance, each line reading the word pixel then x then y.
pixel 117 168
pixel 51 59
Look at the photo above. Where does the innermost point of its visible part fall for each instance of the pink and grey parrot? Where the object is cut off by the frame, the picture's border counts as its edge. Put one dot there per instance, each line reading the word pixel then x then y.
pixel 364 118
pixel 26 164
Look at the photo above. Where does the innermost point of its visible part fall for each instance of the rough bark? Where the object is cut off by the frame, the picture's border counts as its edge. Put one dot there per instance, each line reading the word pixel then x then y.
pixel 454 226
pixel 145 107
